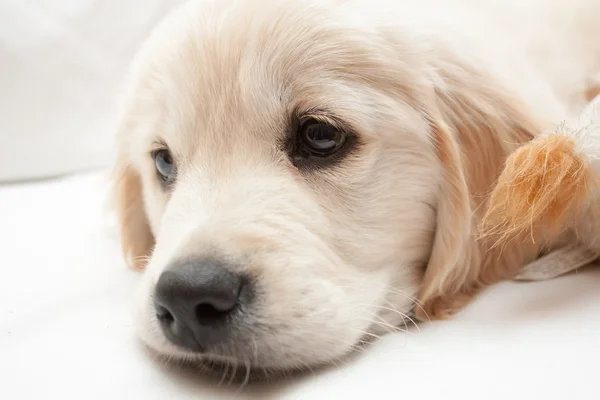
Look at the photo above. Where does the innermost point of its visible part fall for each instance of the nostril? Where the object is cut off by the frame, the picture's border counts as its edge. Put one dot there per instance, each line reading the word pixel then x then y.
pixel 207 313
pixel 164 315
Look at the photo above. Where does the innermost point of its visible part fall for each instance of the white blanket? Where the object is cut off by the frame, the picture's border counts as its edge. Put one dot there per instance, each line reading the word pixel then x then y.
pixel 66 332
pixel 62 65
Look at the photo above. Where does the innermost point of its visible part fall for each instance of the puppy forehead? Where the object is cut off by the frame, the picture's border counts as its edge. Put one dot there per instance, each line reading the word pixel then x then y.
pixel 238 73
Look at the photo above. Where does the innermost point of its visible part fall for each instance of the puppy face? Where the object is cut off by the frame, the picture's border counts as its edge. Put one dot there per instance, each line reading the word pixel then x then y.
pixel 280 171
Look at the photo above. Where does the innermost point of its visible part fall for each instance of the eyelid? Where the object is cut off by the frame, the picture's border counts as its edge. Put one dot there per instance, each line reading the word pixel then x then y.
pixel 158 145
pixel 323 117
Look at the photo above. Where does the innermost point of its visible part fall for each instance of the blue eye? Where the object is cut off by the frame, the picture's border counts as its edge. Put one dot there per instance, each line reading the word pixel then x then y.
pixel 164 165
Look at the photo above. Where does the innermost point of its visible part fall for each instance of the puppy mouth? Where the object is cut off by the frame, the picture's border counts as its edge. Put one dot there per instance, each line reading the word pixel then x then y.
pixel 234 371
pixel 222 370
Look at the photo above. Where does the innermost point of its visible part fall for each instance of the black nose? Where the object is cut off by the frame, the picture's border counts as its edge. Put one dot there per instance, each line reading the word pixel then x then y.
pixel 194 302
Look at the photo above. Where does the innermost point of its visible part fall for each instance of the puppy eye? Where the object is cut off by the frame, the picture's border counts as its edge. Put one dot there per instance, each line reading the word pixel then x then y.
pixel 319 139
pixel 164 165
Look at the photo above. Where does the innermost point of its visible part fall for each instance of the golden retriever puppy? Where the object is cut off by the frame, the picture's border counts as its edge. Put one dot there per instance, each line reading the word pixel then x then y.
pixel 295 177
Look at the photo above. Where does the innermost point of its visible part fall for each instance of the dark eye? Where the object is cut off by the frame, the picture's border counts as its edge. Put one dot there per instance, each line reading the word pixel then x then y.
pixel 318 139
pixel 164 164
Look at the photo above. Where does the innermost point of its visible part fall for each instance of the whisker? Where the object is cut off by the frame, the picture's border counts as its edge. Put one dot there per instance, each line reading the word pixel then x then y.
pixel 254 347
pixel 233 375
pixel 384 323
pixel 225 370
pixel 365 333
pixel 401 293
pixel 404 316
pixel 246 377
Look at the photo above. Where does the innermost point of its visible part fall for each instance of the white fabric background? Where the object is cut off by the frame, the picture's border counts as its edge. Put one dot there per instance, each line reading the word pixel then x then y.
pixel 62 65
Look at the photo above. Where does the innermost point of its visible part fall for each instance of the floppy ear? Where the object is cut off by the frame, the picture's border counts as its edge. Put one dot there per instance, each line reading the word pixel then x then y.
pixel 451 264
pixel 474 127
pixel 137 240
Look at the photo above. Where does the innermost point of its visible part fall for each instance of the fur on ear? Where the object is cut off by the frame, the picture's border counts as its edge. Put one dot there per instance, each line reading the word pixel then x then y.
pixel 137 240
pixel 475 127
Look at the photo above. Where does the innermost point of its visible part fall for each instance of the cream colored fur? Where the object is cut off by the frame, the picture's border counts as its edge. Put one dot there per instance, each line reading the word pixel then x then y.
pixel 438 93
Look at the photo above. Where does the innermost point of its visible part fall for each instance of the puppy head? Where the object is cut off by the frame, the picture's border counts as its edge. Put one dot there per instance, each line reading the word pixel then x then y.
pixel 286 176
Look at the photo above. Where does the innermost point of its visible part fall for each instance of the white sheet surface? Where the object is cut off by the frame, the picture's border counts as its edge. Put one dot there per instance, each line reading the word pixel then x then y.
pixel 62 65
pixel 65 328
